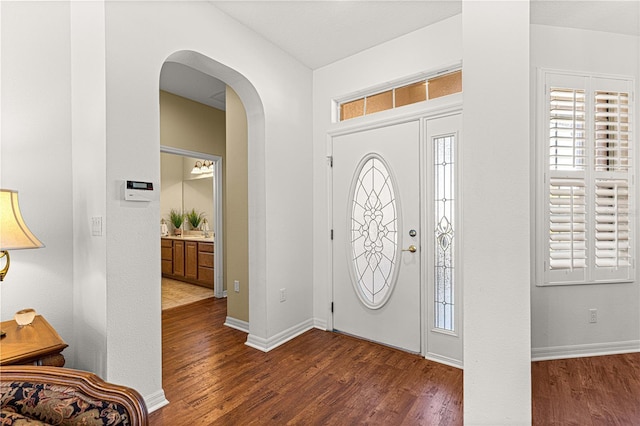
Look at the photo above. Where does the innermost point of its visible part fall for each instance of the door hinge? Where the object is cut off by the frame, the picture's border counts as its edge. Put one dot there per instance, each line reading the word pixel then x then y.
pixel 332 234
pixel 331 307
pixel 330 160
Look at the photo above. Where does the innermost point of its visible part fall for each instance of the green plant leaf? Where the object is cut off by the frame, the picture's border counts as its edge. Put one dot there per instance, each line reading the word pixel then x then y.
pixel 195 218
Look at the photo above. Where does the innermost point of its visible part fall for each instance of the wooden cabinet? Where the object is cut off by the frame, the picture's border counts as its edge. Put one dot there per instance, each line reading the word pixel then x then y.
pixel 191 260
pixel 178 258
pixel 205 264
pixel 166 248
pixel 188 260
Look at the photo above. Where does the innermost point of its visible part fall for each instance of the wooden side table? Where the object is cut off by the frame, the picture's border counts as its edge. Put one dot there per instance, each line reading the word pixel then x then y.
pixel 36 344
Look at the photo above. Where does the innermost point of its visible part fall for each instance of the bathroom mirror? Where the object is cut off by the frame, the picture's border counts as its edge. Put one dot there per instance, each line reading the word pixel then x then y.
pixel 184 190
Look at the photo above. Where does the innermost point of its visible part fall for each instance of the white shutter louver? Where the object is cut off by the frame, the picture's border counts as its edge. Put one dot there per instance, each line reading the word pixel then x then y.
pixel 611 131
pixel 611 163
pixel 612 223
pixel 567 129
pixel 567 227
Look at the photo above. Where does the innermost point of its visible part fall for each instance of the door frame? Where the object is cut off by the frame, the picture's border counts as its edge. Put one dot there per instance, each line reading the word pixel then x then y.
pixel 437 108
pixel 217 228
pixel 429 253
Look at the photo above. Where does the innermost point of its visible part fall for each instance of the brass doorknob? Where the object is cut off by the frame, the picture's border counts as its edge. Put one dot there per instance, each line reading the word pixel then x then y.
pixel 411 248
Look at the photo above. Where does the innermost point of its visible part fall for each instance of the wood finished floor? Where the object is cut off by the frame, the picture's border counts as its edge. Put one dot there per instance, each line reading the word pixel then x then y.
pixel 592 391
pixel 211 377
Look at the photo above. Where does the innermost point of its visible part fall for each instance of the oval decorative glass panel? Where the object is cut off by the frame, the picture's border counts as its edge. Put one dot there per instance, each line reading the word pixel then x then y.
pixel 374 219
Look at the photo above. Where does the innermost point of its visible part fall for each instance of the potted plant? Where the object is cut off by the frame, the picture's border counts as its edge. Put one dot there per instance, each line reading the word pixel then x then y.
pixel 194 218
pixel 177 219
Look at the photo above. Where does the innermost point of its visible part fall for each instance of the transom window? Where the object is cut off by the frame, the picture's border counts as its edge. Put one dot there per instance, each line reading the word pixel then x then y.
pixel 586 191
pixel 418 91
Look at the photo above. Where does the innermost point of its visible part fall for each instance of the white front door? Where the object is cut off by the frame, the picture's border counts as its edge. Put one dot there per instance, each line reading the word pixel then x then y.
pixel 376 228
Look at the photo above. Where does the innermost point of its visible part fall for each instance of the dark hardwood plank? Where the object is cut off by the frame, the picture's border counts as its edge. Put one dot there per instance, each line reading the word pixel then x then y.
pixel 602 390
pixel 211 377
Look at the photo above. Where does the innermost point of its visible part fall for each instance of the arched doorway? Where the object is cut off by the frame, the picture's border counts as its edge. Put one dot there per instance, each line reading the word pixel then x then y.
pixel 256 253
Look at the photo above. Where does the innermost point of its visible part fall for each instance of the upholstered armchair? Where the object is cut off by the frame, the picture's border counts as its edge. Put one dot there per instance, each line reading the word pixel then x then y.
pixel 36 395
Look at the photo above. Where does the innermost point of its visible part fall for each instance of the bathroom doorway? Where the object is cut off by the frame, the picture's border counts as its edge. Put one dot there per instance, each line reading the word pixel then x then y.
pixel 185 189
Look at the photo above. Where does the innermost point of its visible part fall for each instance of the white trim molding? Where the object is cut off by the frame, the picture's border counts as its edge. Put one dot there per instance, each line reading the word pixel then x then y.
pixel 155 401
pixel 265 345
pixel 237 324
pixel 320 324
pixel 589 349
pixel 441 359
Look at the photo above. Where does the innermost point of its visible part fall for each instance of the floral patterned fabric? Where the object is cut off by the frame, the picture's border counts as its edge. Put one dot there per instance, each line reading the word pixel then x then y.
pixel 23 403
pixel 15 419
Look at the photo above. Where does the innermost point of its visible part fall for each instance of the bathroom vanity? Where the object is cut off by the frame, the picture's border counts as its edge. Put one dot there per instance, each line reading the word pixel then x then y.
pixel 188 258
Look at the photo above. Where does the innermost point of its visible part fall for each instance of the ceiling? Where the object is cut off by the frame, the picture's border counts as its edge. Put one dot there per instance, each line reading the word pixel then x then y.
pixel 189 83
pixel 318 33
pixel 622 17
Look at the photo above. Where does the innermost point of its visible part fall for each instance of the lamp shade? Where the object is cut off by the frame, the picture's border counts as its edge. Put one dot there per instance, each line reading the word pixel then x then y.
pixel 14 233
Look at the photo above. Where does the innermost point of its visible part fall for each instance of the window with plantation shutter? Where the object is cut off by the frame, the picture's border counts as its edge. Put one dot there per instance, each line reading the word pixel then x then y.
pixel 586 188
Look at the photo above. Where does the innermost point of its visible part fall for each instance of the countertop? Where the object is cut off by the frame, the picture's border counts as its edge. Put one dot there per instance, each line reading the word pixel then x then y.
pixel 189 238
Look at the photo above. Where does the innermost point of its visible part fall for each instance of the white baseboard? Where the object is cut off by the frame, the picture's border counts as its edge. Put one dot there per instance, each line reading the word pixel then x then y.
pixel 444 360
pixel 155 401
pixel 578 351
pixel 237 324
pixel 320 324
pixel 265 345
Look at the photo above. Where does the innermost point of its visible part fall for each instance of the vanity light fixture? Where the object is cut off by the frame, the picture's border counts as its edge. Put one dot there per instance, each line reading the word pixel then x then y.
pixel 197 169
pixel 201 167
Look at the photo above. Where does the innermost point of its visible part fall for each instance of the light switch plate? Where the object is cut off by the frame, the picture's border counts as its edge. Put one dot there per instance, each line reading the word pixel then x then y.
pixel 96 226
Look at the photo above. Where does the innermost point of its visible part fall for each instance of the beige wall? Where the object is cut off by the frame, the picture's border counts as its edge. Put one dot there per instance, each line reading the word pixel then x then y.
pixel 236 211
pixel 196 127
pixel 191 125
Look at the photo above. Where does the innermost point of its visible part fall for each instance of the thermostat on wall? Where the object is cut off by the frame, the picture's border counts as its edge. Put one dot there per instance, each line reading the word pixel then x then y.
pixel 138 191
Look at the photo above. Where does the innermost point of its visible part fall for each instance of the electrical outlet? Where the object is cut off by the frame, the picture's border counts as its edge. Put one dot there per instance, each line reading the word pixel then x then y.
pixel 283 294
pixel 593 315
pixel 236 286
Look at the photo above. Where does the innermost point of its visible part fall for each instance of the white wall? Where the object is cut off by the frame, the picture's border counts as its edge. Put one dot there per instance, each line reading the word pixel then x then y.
pixel 36 160
pixel 106 106
pixel 88 125
pixel 496 211
pixel 140 37
pixel 560 320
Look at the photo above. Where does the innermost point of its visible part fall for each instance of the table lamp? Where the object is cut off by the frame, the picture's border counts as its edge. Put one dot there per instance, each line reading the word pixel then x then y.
pixel 14 233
